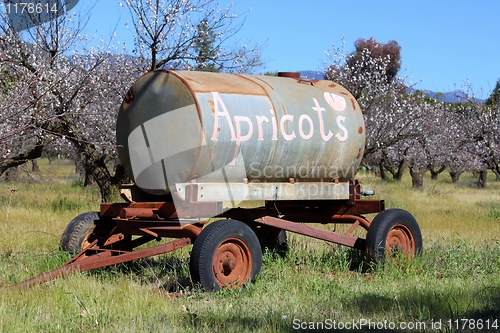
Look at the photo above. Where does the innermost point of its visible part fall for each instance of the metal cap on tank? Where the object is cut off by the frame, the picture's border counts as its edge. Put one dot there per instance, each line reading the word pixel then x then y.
pixel 293 75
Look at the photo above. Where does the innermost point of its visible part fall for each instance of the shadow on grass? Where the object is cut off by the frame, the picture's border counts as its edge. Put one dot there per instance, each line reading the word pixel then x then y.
pixel 439 313
pixel 491 299
pixel 168 273
pixel 432 305
pixel 273 323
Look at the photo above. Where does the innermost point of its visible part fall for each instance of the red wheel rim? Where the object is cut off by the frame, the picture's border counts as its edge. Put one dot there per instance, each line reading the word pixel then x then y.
pixel 86 242
pixel 400 239
pixel 232 263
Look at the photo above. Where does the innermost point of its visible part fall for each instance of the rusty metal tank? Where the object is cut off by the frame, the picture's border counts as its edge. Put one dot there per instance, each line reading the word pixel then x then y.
pixel 181 126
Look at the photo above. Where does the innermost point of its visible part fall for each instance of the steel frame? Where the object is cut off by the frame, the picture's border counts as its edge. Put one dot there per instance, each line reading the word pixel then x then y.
pixel 156 220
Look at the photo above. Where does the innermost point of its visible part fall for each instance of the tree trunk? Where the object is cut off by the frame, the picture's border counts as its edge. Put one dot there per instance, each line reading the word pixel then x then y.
pixel 96 168
pixel 382 174
pixel 12 174
pixel 34 166
pixel 94 163
pixel 87 178
pixel 399 174
pixel 455 175
pixel 31 153
pixel 496 166
pixel 417 178
pixel 497 174
pixel 436 172
pixel 396 172
pixel 481 181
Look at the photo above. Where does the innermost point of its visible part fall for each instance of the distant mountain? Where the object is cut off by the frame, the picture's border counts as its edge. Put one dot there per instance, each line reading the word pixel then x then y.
pixel 456 96
pixel 312 75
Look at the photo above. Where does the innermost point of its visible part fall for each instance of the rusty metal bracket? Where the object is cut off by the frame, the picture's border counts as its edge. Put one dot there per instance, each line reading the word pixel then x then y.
pixel 106 258
pixel 318 233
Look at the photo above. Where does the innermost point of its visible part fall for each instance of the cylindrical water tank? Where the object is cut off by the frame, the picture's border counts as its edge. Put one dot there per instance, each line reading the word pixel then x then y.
pixel 179 126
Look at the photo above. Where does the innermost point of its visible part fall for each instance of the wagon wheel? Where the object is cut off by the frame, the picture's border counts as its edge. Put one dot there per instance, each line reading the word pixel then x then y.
pixel 393 231
pixel 280 244
pixel 272 239
pixel 227 253
pixel 81 232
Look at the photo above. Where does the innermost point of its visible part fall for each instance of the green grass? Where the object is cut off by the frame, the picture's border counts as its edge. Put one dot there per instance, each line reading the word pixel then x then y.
pixel 457 276
pixel 34 213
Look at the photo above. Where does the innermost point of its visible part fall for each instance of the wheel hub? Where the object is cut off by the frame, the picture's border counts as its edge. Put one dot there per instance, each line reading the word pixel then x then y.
pixel 400 239
pixel 232 263
pixel 228 265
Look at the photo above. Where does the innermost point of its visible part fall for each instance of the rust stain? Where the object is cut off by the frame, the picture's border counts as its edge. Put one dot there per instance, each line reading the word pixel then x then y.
pixel 206 82
pixel 353 103
pixel 293 75
pixel 212 105
pixel 332 85
pixel 360 130
pixel 344 93
pixel 129 97
pixel 359 154
pixel 265 82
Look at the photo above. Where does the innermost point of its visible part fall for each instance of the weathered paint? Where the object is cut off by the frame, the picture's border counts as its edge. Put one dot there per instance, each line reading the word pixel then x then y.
pixel 176 126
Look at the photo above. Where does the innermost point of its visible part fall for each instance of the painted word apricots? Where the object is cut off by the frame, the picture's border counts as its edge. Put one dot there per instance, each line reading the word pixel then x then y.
pixel 336 102
pixel 178 126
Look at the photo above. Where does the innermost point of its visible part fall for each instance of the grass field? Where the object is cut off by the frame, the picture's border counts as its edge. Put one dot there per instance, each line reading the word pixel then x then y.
pixel 316 285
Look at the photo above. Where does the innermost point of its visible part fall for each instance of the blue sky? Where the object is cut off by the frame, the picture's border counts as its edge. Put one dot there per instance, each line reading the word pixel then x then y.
pixel 444 43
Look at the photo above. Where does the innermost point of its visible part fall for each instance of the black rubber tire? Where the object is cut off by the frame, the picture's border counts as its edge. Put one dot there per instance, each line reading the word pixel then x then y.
pixel 277 245
pixel 78 231
pixel 392 221
pixel 271 239
pixel 215 236
pixel 282 241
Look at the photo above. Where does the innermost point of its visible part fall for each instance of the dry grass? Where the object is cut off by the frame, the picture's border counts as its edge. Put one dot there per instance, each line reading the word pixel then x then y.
pixel 458 275
pixel 445 211
pixel 36 211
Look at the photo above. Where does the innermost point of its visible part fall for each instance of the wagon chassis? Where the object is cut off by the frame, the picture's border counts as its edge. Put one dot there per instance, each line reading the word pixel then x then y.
pixel 122 227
